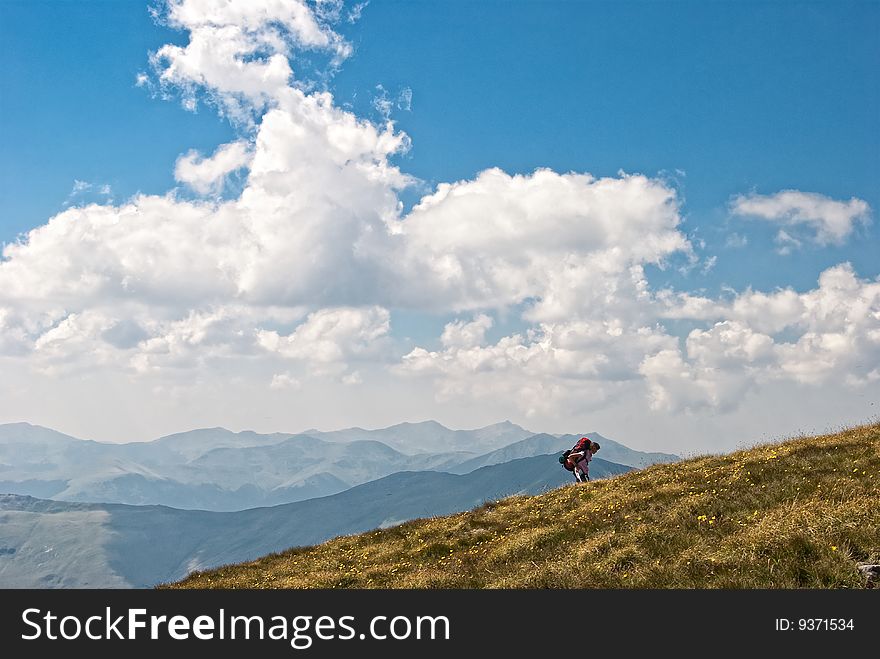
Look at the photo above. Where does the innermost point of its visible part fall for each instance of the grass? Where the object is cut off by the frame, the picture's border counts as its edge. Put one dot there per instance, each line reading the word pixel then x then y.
pixel 797 514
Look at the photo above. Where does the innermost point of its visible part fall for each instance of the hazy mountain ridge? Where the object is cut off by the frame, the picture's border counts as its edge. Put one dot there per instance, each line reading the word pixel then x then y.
pixel 213 469
pixel 432 437
pixel 217 469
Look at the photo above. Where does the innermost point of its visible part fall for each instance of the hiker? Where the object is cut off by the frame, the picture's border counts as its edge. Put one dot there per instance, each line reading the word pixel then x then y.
pixel 567 459
pixel 580 457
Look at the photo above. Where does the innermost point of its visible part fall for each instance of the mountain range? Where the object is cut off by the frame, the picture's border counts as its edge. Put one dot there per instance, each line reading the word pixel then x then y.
pixel 220 470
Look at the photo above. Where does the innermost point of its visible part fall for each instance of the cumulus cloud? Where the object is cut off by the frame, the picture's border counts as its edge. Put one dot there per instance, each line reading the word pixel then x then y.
pixel 208 174
pixel 464 334
pixel 677 386
pixel 317 228
pixel 307 230
pixel 827 221
pixel 826 335
pixel 61 348
pixel 330 338
pixel 553 365
pixel 568 241
pixel 829 335
pixel 285 381
pixel 239 51
pixel 191 342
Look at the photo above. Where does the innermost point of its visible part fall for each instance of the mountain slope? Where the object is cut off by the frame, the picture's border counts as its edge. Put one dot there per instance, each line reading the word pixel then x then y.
pixel 60 544
pixel 798 514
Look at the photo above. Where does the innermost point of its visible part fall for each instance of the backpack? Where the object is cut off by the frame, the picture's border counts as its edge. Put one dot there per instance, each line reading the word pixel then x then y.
pixel 565 462
pixel 582 444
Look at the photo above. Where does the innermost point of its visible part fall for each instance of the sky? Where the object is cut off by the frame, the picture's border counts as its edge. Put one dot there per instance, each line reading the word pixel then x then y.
pixel 656 221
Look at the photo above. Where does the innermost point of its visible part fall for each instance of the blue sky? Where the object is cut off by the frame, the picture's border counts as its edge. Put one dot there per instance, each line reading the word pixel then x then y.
pixel 715 101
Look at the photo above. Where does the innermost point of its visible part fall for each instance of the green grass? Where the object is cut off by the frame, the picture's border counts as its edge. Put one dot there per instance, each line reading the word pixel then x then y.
pixel 798 514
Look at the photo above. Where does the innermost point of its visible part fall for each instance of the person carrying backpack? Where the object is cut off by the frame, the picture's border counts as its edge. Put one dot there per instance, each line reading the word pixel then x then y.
pixel 580 456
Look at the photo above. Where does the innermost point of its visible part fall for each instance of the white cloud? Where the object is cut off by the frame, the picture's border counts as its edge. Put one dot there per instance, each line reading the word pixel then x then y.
pixel 310 262
pixel 404 99
pixel 736 241
pixel 829 221
pixel 829 334
pixel 787 243
pixel 197 279
pixel 255 17
pixel 330 338
pixel 82 191
pixel 285 381
pixel 238 51
pixel 576 363
pixel 74 344
pixel 834 340
pixel 355 14
pixel 318 226
pixel 568 241
pixel 769 313
pixel 729 344
pixel 208 174
pixel 152 249
pixel 461 334
pixel 381 103
pixel 195 340
pixel 676 386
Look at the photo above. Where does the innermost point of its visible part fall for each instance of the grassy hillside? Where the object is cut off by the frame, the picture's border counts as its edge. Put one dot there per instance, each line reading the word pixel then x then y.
pixel 797 514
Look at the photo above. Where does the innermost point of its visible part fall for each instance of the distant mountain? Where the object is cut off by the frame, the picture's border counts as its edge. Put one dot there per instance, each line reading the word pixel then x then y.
pixel 195 443
pixel 288 463
pixel 217 469
pixel 543 443
pixel 40 449
pixel 525 448
pixel 137 489
pixel 45 544
pixel 432 437
pixel 210 469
